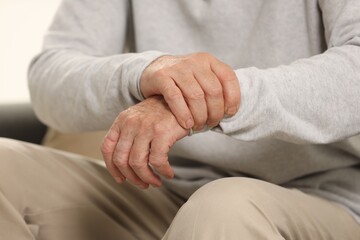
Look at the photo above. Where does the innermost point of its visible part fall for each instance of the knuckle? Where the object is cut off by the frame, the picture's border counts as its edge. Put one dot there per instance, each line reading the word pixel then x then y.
pixel 215 92
pixel 196 95
pixel 157 160
pixel 159 128
pixel 121 164
pixel 121 158
pixel 123 147
pixel 191 60
pixel 132 121
pixel 144 124
pixel 121 116
pixel 179 67
pixel 136 164
pixel 161 73
pixel 172 94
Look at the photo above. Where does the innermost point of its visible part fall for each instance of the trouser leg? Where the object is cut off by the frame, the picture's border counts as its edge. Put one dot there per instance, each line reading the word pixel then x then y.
pixel 47 194
pixel 12 224
pixel 240 208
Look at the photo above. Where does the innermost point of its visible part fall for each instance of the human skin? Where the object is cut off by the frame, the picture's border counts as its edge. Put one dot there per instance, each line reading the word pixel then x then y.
pixel 137 144
pixel 182 92
pixel 198 88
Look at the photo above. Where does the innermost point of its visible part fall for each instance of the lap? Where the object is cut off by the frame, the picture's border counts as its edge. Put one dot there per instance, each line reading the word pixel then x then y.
pixel 57 195
pixel 67 196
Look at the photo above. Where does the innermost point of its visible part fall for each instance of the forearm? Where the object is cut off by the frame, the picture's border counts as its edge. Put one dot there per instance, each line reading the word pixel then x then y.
pixel 72 91
pixel 313 100
pixel 82 80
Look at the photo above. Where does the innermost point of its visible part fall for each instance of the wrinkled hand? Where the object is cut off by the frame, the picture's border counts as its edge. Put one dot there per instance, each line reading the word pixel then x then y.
pixel 198 88
pixel 137 145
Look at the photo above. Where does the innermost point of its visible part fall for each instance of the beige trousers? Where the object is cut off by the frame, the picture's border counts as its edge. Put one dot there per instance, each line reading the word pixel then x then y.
pixel 53 195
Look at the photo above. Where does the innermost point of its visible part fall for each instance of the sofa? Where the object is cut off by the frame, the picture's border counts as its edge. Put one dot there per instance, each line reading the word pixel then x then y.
pixel 18 121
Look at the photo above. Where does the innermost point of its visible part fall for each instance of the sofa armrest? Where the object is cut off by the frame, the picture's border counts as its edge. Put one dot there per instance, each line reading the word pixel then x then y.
pixel 18 121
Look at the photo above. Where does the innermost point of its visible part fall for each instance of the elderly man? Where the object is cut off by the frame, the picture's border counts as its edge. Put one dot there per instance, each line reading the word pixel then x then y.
pixel 244 113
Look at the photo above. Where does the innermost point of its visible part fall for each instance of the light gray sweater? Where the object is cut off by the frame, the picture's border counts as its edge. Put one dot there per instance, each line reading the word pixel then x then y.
pixel 297 61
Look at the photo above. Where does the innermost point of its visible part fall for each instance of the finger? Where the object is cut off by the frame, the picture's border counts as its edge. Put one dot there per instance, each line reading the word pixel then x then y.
pixel 177 104
pixel 213 95
pixel 107 149
pixel 158 158
pixel 138 161
pixel 121 156
pixel 195 98
pixel 230 84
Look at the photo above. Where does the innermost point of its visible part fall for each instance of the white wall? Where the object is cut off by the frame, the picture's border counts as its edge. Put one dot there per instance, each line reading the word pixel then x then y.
pixel 22 26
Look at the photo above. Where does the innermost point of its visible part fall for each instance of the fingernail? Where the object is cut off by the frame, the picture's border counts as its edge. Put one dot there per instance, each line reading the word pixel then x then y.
pixel 231 110
pixel 189 123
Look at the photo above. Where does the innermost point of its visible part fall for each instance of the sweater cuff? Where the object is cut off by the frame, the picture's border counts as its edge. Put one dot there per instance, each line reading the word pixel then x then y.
pixel 249 92
pixel 134 68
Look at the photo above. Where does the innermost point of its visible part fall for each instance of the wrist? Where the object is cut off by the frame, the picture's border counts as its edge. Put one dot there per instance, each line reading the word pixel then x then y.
pixel 133 68
pixel 146 87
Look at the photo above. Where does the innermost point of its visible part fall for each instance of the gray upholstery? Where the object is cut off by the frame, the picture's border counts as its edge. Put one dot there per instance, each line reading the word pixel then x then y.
pixel 18 121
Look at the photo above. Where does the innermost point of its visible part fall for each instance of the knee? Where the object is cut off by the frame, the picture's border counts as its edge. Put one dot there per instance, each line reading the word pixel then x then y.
pixel 231 198
pixel 228 208
pixel 232 190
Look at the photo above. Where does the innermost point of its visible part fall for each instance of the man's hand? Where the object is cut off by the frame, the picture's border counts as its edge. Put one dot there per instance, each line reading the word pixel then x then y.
pixel 139 141
pixel 198 88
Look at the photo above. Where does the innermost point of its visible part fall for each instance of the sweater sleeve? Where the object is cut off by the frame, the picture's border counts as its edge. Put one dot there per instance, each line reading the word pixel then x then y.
pixel 314 100
pixel 82 80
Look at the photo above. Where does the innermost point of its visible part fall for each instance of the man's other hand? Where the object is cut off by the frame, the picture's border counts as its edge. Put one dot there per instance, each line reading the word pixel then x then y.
pixel 198 88
pixel 137 144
